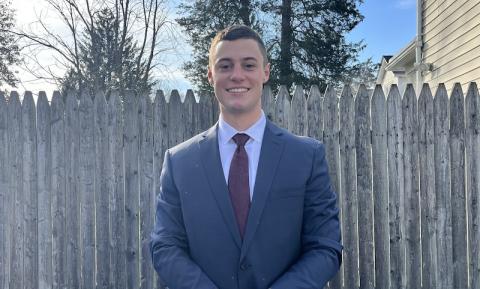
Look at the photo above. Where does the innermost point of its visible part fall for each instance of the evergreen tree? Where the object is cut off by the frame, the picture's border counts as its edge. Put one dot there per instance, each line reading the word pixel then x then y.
pixel 305 38
pixel 99 54
pixel 9 50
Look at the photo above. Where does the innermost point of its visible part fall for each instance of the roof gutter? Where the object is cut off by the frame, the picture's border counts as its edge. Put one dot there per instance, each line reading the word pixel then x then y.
pixel 418 46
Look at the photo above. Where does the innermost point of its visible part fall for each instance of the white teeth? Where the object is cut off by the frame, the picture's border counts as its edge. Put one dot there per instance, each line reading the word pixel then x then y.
pixel 237 90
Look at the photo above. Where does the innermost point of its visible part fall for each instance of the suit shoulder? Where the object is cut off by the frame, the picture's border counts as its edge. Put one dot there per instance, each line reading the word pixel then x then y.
pixel 186 146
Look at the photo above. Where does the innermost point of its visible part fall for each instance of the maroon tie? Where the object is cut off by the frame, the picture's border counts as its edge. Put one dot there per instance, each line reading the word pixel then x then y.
pixel 238 182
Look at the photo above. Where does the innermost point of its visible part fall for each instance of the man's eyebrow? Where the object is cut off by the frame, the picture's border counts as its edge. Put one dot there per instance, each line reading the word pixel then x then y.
pixel 248 58
pixel 223 60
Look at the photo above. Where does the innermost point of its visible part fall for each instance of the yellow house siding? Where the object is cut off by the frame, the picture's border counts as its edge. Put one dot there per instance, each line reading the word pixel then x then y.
pixel 432 9
pixel 464 80
pixel 451 41
pixel 456 50
pixel 460 23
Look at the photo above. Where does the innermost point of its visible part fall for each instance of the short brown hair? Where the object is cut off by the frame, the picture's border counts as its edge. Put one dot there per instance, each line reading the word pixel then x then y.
pixel 235 32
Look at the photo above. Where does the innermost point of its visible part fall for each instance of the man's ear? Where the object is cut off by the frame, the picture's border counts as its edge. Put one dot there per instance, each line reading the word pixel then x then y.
pixel 210 76
pixel 266 72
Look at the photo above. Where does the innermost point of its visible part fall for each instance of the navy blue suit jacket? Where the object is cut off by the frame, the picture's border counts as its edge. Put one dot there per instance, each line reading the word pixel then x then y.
pixel 292 238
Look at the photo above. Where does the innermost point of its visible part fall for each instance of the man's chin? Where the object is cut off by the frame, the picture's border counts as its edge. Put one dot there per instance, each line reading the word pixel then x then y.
pixel 237 110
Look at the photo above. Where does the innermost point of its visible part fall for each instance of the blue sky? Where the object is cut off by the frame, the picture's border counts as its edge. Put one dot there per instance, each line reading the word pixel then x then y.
pixel 388 26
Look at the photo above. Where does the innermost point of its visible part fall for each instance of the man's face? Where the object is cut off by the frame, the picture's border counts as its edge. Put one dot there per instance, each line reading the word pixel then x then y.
pixel 237 75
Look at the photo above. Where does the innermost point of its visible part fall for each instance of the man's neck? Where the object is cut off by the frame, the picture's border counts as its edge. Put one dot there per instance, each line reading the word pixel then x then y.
pixel 241 122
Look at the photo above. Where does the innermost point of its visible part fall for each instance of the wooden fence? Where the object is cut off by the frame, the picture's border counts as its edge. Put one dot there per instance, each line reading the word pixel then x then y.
pixel 78 182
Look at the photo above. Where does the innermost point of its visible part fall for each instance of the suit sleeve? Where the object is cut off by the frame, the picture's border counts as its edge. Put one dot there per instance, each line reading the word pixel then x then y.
pixel 169 244
pixel 321 241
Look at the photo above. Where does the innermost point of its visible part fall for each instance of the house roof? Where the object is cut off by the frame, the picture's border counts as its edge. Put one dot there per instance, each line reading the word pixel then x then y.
pixel 403 59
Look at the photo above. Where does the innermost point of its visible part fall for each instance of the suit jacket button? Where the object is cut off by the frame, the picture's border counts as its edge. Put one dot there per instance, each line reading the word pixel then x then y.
pixel 244 267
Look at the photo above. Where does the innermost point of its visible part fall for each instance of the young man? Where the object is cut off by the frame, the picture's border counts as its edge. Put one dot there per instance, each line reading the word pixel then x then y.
pixel 246 204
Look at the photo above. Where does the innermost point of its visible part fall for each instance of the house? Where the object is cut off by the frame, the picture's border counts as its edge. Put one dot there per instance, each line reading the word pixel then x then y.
pixel 445 50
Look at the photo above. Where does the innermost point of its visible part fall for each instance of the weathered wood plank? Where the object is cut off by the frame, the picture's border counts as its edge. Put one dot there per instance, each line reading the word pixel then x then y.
pixel 442 188
pixel 87 190
pixel 412 196
pixel 282 107
pixel 203 113
pixel 115 183
pixel 396 188
pixel 427 188
pixel 331 139
pixel 268 102
pixel 348 187
pixel 5 197
pixel 30 214
pixel 188 120
pixel 297 122
pixel 131 149
pixel 160 141
pixel 473 181
pixel 72 162
pixel 215 105
pixel 364 188
pixel 315 114
pixel 102 224
pixel 15 177
pixel 457 164
pixel 380 187
pixel 161 127
pixel 45 194
pixel 176 130
pixel 147 194
pixel 58 191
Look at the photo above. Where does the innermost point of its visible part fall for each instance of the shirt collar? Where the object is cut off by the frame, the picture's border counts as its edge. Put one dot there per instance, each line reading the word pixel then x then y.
pixel 255 131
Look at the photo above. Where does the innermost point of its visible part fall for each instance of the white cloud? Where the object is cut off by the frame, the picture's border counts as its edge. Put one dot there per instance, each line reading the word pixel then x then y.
pixel 405 4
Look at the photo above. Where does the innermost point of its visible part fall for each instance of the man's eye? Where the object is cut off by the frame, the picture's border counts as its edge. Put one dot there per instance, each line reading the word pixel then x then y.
pixel 224 66
pixel 250 66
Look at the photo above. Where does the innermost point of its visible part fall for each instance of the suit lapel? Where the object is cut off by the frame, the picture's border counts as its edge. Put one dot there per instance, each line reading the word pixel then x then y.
pixel 270 153
pixel 212 165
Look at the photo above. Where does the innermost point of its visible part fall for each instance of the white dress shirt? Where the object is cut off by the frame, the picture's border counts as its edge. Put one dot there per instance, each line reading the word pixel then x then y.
pixel 227 147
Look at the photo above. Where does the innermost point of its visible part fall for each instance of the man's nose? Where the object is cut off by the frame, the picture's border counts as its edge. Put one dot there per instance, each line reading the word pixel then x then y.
pixel 237 73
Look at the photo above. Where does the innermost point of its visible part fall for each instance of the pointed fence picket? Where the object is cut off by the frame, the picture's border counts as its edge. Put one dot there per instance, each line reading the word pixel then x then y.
pixel 86 190
pixel 411 189
pixel 5 228
pixel 427 187
pixel 442 188
pixel 348 187
pixel 331 138
pixel 79 178
pixel 115 177
pixel 132 198
pixel 364 189
pixel 72 193
pixel 472 105
pixel 459 216
pixel 16 202
pixel 102 194
pixel 396 202
pixel 47 200
pixel 381 229
pixel 58 197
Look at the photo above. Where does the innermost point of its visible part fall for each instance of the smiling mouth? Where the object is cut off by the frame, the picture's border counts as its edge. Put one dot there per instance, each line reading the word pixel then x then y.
pixel 238 90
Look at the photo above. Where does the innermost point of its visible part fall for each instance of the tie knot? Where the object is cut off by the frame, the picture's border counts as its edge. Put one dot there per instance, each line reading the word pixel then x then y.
pixel 240 139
